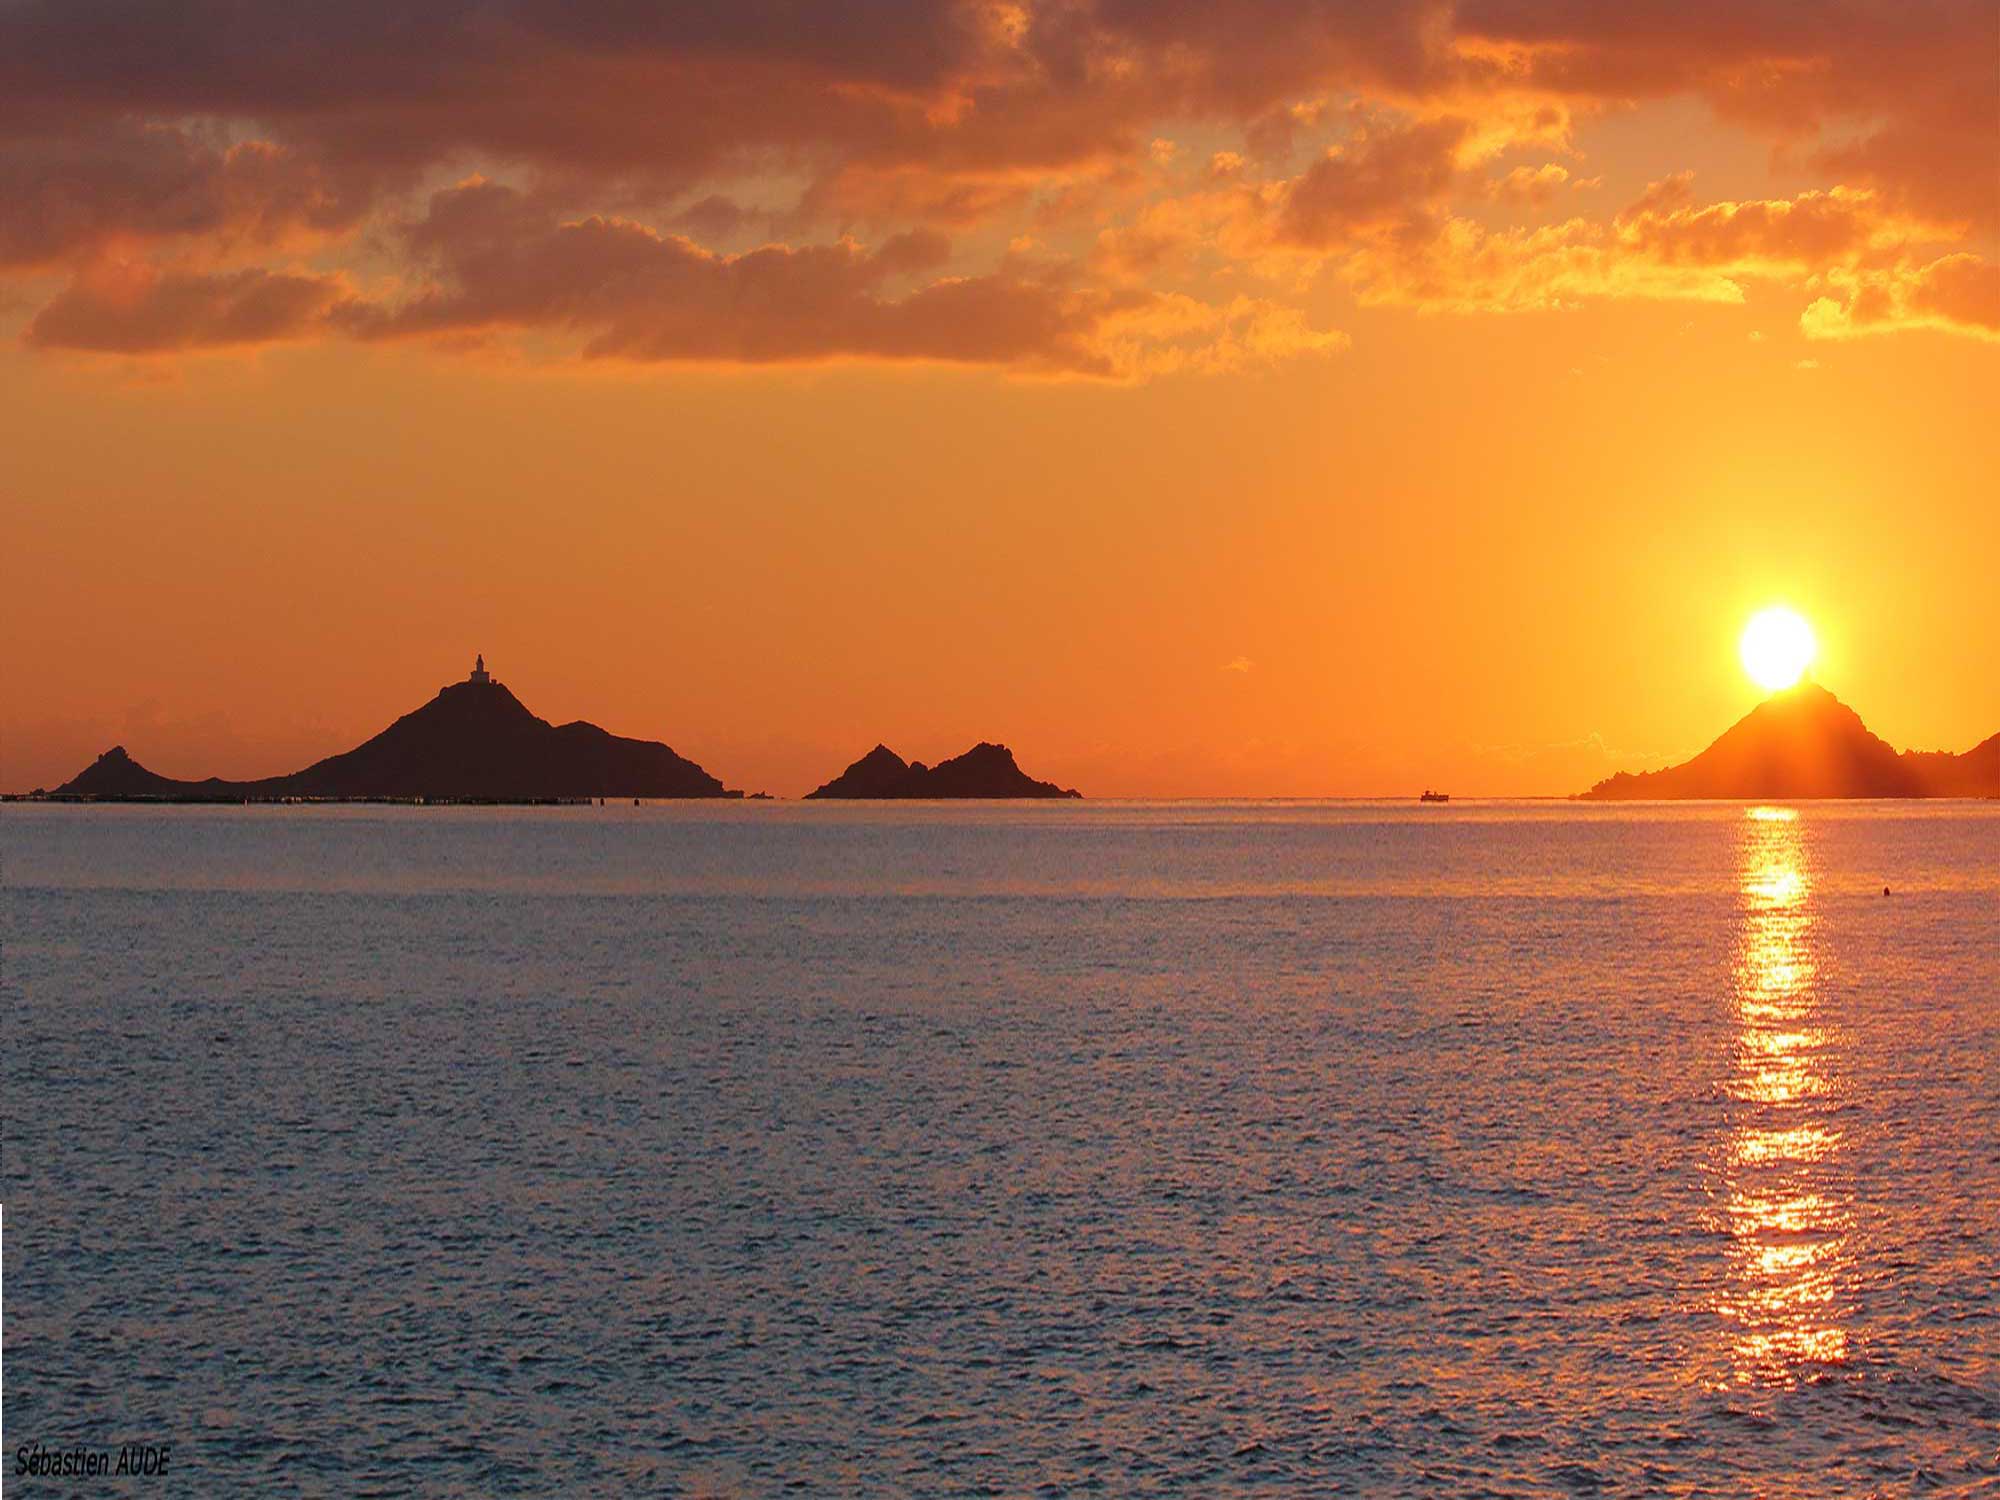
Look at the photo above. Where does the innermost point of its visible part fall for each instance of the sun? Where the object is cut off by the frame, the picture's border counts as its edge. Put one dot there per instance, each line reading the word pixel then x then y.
pixel 1777 647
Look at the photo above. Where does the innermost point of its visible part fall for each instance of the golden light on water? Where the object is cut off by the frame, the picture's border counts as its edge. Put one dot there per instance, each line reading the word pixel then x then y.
pixel 1776 647
pixel 1788 1226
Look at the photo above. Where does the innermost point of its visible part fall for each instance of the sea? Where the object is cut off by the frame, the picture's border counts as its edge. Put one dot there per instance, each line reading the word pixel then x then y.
pixel 1191 1149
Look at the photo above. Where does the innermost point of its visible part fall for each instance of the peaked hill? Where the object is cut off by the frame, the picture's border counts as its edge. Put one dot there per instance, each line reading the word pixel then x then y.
pixel 474 742
pixel 1805 743
pixel 983 771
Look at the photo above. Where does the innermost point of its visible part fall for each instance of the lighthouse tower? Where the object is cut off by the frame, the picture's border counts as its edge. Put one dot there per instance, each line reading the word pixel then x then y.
pixel 479 672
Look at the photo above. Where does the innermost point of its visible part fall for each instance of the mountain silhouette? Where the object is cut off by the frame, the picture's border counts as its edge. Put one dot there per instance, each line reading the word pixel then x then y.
pixel 1802 743
pixel 983 771
pixel 1976 773
pixel 115 775
pixel 474 742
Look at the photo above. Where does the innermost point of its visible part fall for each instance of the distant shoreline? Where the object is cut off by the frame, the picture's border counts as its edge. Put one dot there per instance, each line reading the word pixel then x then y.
pixel 88 799
pixel 1394 798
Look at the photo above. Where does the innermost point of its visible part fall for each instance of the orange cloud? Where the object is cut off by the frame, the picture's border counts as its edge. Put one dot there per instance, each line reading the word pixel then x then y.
pixel 491 259
pixel 1382 180
pixel 502 261
pixel 1955 294
pixel 1667 247
pixel 1916 85
pixel 225 138
pixel 1533 187
pixel 1810 231
pixel 70 195
pixel 132 308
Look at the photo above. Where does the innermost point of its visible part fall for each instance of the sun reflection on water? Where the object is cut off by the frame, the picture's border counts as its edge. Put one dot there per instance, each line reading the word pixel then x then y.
pixel 1788 1229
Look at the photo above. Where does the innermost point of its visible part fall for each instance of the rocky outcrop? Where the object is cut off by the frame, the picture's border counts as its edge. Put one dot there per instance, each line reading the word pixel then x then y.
pixel 115 776
pixel 474 742
pixel 983 771
pixel 1804 743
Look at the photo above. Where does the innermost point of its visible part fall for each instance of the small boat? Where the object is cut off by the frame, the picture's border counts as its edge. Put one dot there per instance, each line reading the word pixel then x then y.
pixel 1431 796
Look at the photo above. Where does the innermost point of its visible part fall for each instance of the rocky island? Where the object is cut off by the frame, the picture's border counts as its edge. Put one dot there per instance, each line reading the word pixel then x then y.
pixel 983 771
pixel 1805 743
pixel 474 742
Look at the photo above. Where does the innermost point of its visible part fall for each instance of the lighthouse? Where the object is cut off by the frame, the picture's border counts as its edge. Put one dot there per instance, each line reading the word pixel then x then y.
pixel 479 672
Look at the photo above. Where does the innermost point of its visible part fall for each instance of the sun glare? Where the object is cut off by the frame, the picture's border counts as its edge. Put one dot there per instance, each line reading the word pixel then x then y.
pixel 1776 648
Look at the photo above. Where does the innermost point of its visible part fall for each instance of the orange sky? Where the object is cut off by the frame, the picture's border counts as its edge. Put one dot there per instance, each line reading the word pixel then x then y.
pixel 1200 410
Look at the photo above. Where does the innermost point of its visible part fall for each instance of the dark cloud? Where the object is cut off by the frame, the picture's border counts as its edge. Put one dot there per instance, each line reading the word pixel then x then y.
pixel 676 90
pixel 130 309
pixel 210 134
pixel 1915 84
pixel 65 195
pixel 1380 180
pixel 502 261
pixel 715 217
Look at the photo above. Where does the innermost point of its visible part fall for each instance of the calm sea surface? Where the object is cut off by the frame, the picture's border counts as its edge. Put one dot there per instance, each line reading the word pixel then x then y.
pixel 1175 1149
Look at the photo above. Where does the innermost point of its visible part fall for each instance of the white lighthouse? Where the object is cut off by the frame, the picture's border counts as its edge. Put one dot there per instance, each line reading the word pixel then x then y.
pixel 479 672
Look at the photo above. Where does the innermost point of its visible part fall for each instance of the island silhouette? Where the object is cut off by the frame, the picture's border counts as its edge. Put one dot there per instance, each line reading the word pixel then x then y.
pixel 1805 743
pixel 474 742
pixel 983 771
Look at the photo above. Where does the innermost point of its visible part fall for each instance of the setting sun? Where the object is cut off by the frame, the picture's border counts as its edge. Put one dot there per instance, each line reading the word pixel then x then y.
pixel 1777 647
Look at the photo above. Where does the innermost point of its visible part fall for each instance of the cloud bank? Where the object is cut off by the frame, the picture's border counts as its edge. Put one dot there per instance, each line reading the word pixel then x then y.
pixel 1002 183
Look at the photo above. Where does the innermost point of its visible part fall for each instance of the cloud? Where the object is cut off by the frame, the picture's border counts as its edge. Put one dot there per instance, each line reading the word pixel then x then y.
pixel 131 308
pixel 1852 242
pixel 977 83
pixel 1175 333
pixel 1463 267
pixel 488 260
pixel 1953 294
pixel 1532 187
pixel 502 261
pixel 207 138
pixel 1897 98
pixel 69 195
pixel 1238 664
pixel 677 93
pixel 1380 181
pixel 1813 230
pixel 714 217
